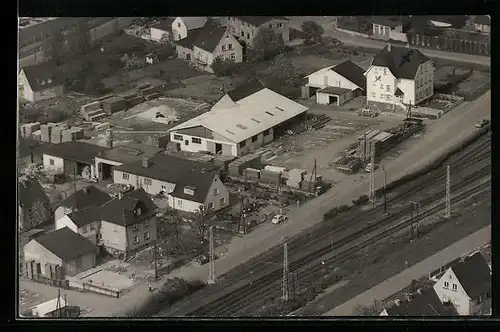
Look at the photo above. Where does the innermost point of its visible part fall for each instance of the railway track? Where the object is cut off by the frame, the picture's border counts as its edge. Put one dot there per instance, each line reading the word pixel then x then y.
pixel 270 285
pixel 233 281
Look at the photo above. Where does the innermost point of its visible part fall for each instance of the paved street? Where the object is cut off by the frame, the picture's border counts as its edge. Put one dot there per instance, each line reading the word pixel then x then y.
pixel 421 269
pixel 331 31
pixel 440 136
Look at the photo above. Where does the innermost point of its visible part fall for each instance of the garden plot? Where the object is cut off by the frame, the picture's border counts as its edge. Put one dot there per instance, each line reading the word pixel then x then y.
pixel 477 81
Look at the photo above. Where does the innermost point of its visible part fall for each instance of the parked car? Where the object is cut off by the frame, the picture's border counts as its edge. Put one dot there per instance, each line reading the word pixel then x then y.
pixel 278 219
pixel 367 112
pixel 202 259
pixel 482 123
pixel 369 167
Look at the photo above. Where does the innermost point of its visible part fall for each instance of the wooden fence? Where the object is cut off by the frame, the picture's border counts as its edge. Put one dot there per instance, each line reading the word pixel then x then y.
pixel 450 44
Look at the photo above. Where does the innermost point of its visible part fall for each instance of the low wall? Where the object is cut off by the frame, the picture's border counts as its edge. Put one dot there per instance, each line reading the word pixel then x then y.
pixel 449 44
pixel 354 33
pixel 455 100
pixel 89 287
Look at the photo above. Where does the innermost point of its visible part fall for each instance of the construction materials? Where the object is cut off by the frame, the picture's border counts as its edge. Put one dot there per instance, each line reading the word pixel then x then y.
pixel 56 135
pixel 103 126
pixel 296 178
pixel 94 115
pixel 28 129
pixel 72 134
pixel 152 96
pixel 251 160
pixel 134 101
pixel 46 132
pixel 94 106
pixel 252 174
pixel 113 105
pixel 270 177
pixel 277 169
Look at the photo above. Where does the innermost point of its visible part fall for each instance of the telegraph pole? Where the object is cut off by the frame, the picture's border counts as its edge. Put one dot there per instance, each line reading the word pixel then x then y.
pixel 286 295
pixel 211 272
pixel 372 174
pixel 385 190
pixel 447 213
pixel 155 262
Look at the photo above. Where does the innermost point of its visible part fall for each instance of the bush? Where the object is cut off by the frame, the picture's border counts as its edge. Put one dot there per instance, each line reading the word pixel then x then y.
pixel 343 208
pixel 361 200
pixel 226 68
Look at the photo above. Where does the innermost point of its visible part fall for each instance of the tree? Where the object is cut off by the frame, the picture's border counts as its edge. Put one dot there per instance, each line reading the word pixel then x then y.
pixel 199 222
pixel 39 213
pixel 267 43
pixel 57 47
pixel 283 70
pixel 312 32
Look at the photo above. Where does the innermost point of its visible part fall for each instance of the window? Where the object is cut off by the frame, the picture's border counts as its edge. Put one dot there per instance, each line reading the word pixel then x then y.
pixel 188 57
pixel 454 287
pixel 196 140
pixel 179 36
pixel 146 236
pixel 266 132
pixel 374 94
pixel 138 211
pixel 229 46
pixel 134 227
pixel 179 24
pixel 446 284
pixel 92 227
pixel 388 88
pixel 85 229
pixel 186 142
pixel 233 56
pixel 210 205
pixel 222 200
pixel 136 239
pixel 148 182
pixel 216 191
pixel 255 138
pixel 221 58
pixel 146 224
pixel 270 26
pixel 385 71
pixel 178 137
pixel 248 36
pixel 242 144
pixel 179 202
pixel 242 34
pixel 51 162
pixel 280 25
pixel 125 176
pixel 223 47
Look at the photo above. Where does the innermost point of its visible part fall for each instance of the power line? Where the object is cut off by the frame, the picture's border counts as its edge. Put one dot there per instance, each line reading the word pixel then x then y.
pixel 211 273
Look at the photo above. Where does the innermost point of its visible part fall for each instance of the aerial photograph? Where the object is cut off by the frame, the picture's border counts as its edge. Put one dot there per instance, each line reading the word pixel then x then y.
pixel 254 167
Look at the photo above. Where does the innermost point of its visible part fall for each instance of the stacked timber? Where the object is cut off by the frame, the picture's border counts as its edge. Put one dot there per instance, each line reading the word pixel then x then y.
pixel 56 136
pixel 113 105
pixel 72 134
pixel 270 177
pixel 252 174
pixel 29 128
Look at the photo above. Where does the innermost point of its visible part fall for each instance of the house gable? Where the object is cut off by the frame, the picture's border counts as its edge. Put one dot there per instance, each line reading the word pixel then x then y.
pixel 35 251
pixel 224 102
pixel 444 289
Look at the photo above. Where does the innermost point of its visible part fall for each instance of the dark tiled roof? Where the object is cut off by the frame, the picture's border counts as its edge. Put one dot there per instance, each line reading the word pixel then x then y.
pixel 482 19
pixel 165 25
pixel 209 37
pixel 181 172
pixel 86 197
pixel 188 42
pixel 198 131
pixel 130 152
pixel 245 90
pixel 425 304
pixel 75 151
pixel 352 72
pixel 259 20
pixel 30 191
pixel 388 21
pixel 398 92
pixel 403 62
pixel 38 74
pixel 474 275
pixel 334 90
pixel 66 244
pixel 120 211
pixel 85 216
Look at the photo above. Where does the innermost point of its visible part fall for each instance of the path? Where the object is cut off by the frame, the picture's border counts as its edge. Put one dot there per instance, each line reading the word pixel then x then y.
pixel 417 271
pixel 347 39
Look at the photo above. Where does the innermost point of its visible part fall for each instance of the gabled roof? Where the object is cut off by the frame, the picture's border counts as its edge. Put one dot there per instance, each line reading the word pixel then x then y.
pixel 86 197
pixel 178 171
pixel 194 22
pixel 30 191
pixel 483 19
pixel 66 244
pixel 352 72
pixel 403 62
pixel 120 211
pixel 425 304
pixel 164 25
pixel 474 275
pixel 43 76
pixel 209 37
pixel 85 216
pixel 257 21
pixel 188 42
pixel 75 151
pixel 245 90
pixel 252 115
pixel 129 152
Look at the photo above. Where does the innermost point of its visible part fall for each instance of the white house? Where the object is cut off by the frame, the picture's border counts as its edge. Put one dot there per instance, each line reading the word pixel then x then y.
pixel 208 43
pixel 181 26
pixel 399 76
pixel 40 82
pixel 482 23
pixel 243 120
pixel 187 184
pixel 467 285
pixel 423 303
pixel 245 28
pixel 161 30
pixel 336 84
pixel 389 28
pixel 81 199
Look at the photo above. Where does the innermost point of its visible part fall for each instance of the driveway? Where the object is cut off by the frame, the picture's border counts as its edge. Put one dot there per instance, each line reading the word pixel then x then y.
pixel 330 30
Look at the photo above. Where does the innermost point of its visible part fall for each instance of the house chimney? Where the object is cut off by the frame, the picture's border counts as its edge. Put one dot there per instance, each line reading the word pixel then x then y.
pixel 389 47
pixel 145 162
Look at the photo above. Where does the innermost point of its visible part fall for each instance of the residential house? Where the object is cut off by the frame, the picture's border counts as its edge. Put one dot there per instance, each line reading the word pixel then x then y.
pixel 162 30
pixel 72 158
pixel 399 76
pixel 186 183
pixel 40 82
pixel 33 204
pixel 208 43
pixel 106 160
pixel 245 28
pixel 242 121
pixel 336 84
pixel 482 23
pixel 182 26
pixel 54 308
pixel 467 285
pixel 127 223
pixel 84 221
pixel 81 199
pixel 423 303
pixel 58 254
pixel 389 28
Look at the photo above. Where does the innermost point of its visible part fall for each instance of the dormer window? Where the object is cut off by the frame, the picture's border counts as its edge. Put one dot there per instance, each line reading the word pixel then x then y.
pixel 138 211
